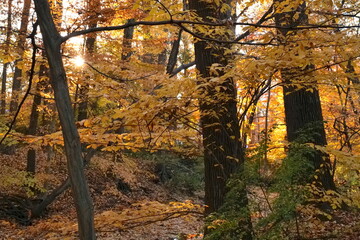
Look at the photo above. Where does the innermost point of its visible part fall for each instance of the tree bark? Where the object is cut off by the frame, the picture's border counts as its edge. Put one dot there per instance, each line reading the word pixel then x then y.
pixel 37 210
pixel 80 190
pixel 223 152
pixel 6 65
pixel 221 134
pixel 16 86
pixel 34 119
pixel 90 40
pixel 128 37
pixel 302 106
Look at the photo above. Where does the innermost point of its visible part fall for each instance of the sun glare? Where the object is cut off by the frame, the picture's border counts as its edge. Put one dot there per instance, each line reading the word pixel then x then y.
pixel 78 61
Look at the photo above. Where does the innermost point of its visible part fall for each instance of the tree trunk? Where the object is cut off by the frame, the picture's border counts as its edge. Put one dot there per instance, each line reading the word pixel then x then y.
pixel 80 190
pixel 6 65
pixel 173 54
pixel 221 134
pixel 353 76
pixel 128 37
pixel 16 86
pixel 3 88
pixel 37 210
pixel 89 52
pixel 34 119
pixel 302 106
pixel 223 152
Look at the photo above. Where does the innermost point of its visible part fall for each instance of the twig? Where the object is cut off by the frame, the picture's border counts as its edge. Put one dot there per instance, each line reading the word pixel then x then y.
pixel 32 71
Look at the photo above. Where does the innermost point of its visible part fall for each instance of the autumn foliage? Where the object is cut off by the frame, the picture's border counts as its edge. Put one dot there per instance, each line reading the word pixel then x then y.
pixel 155 87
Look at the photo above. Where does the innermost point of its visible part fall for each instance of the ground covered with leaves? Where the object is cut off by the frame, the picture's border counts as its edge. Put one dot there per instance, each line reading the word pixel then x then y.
pixel 131 200
pixel 151 197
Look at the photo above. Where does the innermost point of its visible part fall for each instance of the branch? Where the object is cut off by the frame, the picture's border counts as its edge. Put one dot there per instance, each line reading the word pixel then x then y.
pixel 180 24
pixel 32 71
pixel 182 67
pixel 121 80
pixel 173 54
pixel 38 209
pixel 165 8
pixel 262 19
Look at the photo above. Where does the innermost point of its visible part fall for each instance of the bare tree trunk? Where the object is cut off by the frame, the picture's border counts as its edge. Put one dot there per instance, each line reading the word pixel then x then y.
pixel 38 209
pixel 80 190
pixel 3 88
pixel 92 6
pixel 6 65
pixel 173 54
pixel 20 48
pixel 34 119
pixel 128 37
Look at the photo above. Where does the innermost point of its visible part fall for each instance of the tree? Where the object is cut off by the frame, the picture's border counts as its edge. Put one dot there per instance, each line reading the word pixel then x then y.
pixel 154 109
pixel 16 86
pixel 34 119
pixel 302 106
pixel 6 64
pixel 223 152
pixel 93 7
pixel 80 190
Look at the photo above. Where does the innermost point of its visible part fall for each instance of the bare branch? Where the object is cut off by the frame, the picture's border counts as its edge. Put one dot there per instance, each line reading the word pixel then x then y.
pixel 181 23
pixel 32 71
pixel 182 67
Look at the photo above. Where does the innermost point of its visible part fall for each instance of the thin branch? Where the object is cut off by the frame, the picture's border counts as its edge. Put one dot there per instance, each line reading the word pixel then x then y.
pixel 38 95
pixel 165 8
pixel 182 67
pixel 32 71
pixel 121 80
pixel 180 24
pixel 261 20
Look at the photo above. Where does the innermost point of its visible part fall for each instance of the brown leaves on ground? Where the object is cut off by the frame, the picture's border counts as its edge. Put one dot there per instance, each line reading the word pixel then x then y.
pixel 148 210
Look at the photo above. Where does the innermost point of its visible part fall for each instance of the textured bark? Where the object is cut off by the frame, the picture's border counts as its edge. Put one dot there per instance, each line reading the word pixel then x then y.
pixel 80 190
pixel 16 86
pixel 303 106
pixel 223 153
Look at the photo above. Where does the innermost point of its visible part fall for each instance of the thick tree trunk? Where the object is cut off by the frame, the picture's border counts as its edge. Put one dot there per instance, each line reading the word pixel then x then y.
pixel 223 152
pixel 80 190
pixel 14 102
pixel 302 106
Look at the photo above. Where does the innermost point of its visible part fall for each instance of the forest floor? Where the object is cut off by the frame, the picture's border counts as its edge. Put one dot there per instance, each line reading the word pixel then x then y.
pixel 132 202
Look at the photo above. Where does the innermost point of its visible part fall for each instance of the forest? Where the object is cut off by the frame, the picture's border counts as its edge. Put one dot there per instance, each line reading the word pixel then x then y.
pixel 180 119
